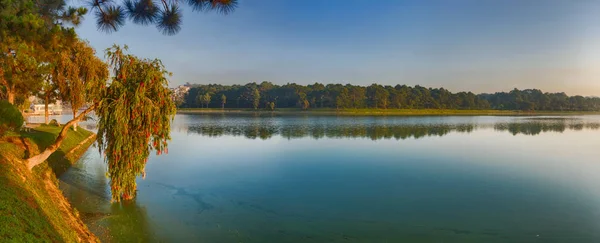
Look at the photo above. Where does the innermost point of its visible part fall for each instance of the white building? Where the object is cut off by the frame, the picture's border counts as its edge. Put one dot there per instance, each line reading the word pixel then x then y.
pixel 53 109
pixel 179 93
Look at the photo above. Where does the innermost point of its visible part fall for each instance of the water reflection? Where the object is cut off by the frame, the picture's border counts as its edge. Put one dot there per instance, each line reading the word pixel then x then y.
pixel 234 179
pixel 86 187
pixel 535 128
pixel 266 129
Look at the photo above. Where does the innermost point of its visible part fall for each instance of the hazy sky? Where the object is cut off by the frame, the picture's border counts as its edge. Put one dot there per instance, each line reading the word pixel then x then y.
pixel 476 45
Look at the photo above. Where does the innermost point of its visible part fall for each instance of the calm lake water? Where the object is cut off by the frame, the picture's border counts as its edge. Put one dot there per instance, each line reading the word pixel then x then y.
pixel 356 179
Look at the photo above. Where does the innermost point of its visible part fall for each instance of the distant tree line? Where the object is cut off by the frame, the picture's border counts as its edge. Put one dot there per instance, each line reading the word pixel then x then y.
pixel 267 95
pixel 535 99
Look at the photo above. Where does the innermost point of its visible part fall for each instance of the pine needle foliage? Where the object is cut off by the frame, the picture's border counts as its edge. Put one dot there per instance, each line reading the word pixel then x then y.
pixel 166 15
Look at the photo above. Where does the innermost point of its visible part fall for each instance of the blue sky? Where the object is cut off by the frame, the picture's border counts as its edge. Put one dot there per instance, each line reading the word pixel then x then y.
pixel 476 45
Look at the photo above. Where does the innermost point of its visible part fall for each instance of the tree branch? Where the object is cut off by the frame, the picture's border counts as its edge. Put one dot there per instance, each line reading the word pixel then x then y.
pixel 40 158
pixel 2 77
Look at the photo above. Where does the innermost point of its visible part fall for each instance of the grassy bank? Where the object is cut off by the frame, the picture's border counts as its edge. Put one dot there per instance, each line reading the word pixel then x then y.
pixel 32 208
pixel 381 112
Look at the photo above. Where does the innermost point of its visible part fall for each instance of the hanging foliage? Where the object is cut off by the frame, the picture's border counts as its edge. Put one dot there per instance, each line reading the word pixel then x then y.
pixel 134 118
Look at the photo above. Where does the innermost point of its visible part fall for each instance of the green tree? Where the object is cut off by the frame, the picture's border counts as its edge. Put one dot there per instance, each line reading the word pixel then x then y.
pixel 255 98
pixel 378 96
pixel 96 83
pixel 23 103
pixel 48 93
pixel 134 117
pixel 200 100
pixel 30 30
pixel 223 101
pixel 76 68
pixel 303 101
pixel 134 108
pixel 134 114
pixel 272 106
pixel 343 99
pixel 18 27
pixel 206 99
pixel 18 70
pixel 10 117
pixel 400 96
pixel 357 96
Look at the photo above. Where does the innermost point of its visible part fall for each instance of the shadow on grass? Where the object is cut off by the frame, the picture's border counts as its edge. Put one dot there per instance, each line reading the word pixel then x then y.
pixel 41 138
pixel 57 161
pixel 27 152
pixel 44 136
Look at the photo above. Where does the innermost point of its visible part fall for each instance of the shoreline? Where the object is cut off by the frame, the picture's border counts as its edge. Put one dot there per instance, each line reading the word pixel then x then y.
pixel 35 208
pixel 381 112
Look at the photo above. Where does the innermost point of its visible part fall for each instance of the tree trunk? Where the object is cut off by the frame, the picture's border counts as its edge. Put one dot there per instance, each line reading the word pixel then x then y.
pixel 40 158
pixel 74 116
pixel 10 91
pixel 10 96
pixel 46 113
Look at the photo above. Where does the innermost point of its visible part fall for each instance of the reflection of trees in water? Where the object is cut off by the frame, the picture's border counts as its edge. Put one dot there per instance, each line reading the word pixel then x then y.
pixel 378 131
pixel 129 221
pixel 535 128
pixel 373 132
pixel 86 186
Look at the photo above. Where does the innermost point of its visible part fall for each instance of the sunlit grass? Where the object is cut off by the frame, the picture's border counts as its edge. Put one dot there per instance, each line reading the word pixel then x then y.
pixel 32 209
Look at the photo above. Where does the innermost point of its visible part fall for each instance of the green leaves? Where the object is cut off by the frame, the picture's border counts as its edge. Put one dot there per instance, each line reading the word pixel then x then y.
pixel 135 114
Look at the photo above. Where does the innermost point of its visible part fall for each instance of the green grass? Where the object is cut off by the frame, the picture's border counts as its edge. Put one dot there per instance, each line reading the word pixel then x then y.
pixel 382 112
pixel 45 135
pixel 32 208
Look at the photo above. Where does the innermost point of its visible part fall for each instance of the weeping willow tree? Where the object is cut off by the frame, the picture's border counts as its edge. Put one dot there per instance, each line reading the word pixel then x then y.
pixel 134 111
pixel 134 118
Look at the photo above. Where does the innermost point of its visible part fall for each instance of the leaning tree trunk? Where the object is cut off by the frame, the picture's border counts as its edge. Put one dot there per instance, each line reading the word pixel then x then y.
pixel 40 158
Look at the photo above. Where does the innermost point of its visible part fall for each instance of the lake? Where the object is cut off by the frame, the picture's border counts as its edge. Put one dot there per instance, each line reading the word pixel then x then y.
pixel 235 178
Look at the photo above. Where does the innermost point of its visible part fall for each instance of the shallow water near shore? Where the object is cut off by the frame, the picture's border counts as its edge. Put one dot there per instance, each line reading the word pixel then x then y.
pixel 240 178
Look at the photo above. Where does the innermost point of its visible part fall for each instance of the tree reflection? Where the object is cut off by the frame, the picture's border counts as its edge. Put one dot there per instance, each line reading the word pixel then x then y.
pixel 535 128
pixel 86 186
pixel 254 130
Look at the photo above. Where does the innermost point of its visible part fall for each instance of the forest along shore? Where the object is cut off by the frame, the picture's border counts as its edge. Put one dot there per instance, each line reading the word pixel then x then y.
pixel 384 112
pixel 32 207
